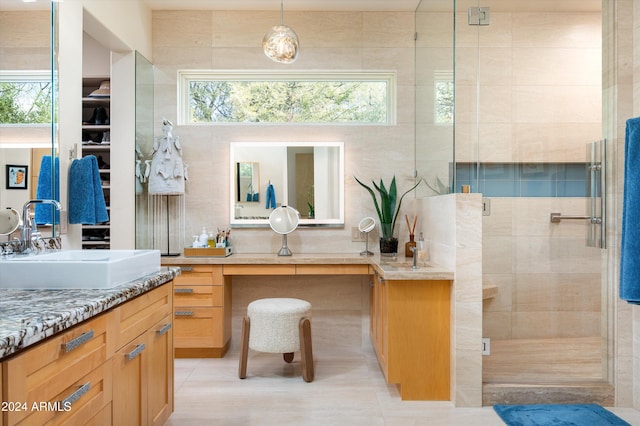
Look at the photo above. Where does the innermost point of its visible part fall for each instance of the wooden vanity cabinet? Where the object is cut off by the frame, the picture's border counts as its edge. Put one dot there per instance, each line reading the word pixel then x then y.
pixel 66 379
pixel 202 312
pixel 410 331
pixel 85 375
pixel 143 365
pixel 378 320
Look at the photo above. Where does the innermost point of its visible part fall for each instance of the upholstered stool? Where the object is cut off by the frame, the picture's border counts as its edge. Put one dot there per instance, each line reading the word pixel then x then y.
pixel 278 325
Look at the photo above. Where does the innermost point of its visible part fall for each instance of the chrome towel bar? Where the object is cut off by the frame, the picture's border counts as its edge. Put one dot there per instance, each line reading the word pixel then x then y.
pixel 557 217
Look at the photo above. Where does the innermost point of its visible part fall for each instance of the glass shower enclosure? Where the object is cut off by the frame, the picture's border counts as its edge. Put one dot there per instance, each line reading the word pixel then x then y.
pixel 508 95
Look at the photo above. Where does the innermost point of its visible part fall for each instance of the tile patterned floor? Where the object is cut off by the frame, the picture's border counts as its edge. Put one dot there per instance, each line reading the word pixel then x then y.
pixel 349 389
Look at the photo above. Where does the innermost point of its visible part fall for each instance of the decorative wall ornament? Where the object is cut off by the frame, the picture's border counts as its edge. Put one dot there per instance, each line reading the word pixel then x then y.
pixel 167 171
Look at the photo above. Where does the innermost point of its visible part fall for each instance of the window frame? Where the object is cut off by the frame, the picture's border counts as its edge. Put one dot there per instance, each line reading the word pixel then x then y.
pixel 25 76
pixel 445 77
pixel 186 76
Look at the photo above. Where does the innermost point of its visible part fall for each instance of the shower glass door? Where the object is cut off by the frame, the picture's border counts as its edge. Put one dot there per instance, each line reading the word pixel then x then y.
pixel 528 99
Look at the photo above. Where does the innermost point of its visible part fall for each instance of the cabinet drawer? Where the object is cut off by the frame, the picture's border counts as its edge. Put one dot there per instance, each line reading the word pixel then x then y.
pixel 139 314
pixel 198 327
pixel 200 275
pixel 198 295
pixel 101 418
pixel 91 393
pixel 332 269
pixel 55 369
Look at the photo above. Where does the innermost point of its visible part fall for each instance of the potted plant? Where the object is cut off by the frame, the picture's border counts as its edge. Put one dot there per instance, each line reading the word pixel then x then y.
pixel 310 203
pixel 387 208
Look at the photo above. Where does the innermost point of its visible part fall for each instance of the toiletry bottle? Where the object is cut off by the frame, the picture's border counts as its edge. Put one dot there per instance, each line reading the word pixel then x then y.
pixel 211 242
pixel 204 238
pixel 421 248
pixel 409 245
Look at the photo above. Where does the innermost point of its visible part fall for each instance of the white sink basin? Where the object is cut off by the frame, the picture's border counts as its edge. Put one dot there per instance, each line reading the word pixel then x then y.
pixel 90 269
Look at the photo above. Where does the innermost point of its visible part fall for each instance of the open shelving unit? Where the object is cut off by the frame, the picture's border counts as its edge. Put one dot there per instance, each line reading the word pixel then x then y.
pixel 96 140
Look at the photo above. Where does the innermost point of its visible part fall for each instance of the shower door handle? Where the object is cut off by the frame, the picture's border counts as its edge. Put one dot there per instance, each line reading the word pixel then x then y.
pixel 558 217
pixel 596 213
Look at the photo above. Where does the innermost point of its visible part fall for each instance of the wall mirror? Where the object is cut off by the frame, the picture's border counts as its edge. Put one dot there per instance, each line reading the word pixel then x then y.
pixel 308 176
pixel 28 71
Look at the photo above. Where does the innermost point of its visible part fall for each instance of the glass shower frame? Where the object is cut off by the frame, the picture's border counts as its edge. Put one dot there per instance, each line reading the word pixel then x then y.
pixel 551 286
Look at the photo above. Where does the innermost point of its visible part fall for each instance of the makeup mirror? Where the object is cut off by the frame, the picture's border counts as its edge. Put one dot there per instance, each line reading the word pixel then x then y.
pixel 9 221
pixel 284 220
pixel 366 225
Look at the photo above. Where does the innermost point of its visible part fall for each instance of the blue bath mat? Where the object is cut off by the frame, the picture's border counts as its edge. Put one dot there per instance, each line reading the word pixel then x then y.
pixel 558 415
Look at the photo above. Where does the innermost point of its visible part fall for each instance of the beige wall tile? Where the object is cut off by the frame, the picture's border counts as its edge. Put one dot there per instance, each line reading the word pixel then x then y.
pixel 567 30
pixel 497 254
pixel 564 104
pixel 502 302
pixel 496 325
pixel 436 30
pixel 388 29
pixel 531 325
pixel 562 66
pixel 557 292
pixel 181 28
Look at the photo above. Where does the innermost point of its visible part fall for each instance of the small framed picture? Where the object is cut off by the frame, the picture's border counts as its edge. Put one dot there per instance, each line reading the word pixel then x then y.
pixel 17 176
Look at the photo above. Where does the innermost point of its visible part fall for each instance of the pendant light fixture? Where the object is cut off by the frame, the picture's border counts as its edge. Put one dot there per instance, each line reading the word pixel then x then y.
pixel 281 43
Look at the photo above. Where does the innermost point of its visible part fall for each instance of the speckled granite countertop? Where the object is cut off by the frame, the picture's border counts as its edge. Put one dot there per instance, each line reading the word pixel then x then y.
pixel 390 269
pixel 29 316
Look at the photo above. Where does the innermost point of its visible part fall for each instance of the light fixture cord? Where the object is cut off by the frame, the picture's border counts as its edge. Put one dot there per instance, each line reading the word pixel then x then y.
pixel 281 12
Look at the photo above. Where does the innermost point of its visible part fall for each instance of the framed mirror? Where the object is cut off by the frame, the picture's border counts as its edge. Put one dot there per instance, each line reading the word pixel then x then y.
pixel 308 176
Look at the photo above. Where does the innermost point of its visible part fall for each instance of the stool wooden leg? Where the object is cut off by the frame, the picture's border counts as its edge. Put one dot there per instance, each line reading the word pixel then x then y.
pixel 306 350
pixel 244 347
pixel 288 356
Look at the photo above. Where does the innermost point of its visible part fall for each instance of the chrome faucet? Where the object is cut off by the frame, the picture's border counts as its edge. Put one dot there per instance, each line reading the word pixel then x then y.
pixel 414 250
pixel 29 226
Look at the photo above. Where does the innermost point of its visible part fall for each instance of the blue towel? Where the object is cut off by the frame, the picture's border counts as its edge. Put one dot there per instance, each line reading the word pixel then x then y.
pixel 44 191
pixel 271 197
pixel 630 248
pixel 86 199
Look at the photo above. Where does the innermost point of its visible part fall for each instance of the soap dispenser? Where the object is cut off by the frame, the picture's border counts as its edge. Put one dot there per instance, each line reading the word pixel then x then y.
pixel 204 237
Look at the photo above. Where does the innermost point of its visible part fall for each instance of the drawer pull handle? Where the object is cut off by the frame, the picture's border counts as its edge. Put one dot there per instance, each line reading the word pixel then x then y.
pixel 164 329
pixel 76 395
pixel 78 341
pixel 137 351
pixel 186 268
pixel 184 313
pixel 183 290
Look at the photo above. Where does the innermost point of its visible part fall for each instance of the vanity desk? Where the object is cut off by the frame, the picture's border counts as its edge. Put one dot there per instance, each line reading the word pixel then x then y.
pixel 409 310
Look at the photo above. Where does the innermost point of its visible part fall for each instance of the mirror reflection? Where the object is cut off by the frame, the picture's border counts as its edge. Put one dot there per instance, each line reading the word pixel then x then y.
pixel 308 176
pixel 27 96
pixel 248 182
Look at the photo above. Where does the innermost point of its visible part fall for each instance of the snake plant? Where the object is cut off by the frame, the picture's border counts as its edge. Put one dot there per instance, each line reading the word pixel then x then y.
pixel 389 205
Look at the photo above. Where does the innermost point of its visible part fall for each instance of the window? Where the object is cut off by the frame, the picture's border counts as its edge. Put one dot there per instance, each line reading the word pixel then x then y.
pixel 443 97
pixel 25 97
pixel 211 97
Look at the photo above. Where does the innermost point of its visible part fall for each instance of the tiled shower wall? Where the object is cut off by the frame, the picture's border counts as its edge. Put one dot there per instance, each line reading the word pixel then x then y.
pixel 530 94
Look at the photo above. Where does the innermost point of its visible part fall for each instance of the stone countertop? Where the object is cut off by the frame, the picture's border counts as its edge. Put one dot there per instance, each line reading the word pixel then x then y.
pixel 389 269
pixel 30 316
